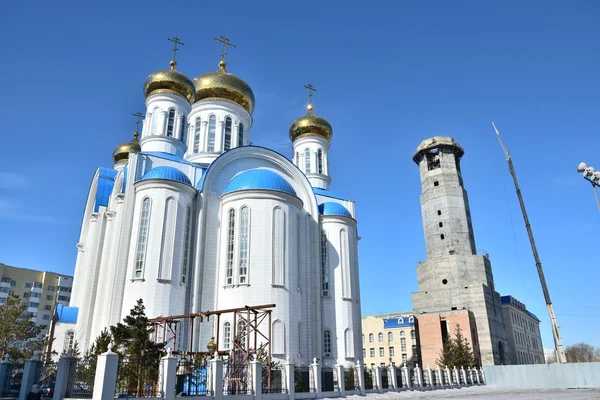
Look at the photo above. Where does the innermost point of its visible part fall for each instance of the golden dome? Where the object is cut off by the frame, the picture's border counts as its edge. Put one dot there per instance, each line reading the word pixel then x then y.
pixel 170 81
pixel 221 84
pixel 310 124
pixel 212 345
pixel 122 151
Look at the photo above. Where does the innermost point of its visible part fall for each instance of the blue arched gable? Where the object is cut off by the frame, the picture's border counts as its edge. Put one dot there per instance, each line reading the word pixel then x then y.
pixel 168 173
pixel 331 208
pixel 106 182
pixel 259 179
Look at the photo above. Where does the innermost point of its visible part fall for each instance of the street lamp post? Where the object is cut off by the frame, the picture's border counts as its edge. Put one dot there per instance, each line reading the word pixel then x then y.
pixel 593 177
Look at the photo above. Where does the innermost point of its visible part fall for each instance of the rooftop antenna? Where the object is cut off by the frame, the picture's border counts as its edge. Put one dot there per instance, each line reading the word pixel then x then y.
pixel 560 354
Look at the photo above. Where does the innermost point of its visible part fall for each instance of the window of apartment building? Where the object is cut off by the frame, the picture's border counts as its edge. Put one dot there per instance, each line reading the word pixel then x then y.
pixel 49 297
pixel 23 304
pixel 371 338
pixel 2 300
pixel 381 352
pixel 25 295
pixel 34 305
pixel 404 357
pixel 372 352
pixel 413 334
pixel 64 289
pixel 51 288
pixel 402 333
pixel 11 292
pixel 5 280
pixel 3 290
pixel 364 353
pixel 363 338
pixel 414 349
pixel 13 283
pixel 392 352
pixel 64 298
pixel 46 317
pixel 380 337
pixel 35 295
pixel 390 336
pixel 47 307
pixel 37 285
pixel 28 285
pixel 403 344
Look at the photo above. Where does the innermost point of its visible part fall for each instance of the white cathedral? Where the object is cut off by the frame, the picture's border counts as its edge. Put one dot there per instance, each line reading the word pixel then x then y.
pixel 192 217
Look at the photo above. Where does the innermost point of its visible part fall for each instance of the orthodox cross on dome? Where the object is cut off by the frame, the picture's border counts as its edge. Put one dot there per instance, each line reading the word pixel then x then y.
pixel 311 89
pixel 138 118
pixel 225 41
pixel 176 41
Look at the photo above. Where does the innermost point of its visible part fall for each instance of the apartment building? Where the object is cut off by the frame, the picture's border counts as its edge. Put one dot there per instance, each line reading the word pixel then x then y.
pixel 389 339
pixel 523 331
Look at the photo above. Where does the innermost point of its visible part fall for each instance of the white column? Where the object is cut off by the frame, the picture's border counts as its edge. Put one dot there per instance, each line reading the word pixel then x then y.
pixel 438 376
pixel 204 137
pixel 392 379
pixel 448 376
pixel 482 375
pixel 162 123
pixel 216 365
pixel 316 371
pixel 377 378
pixel 78 277
pixel 360 371
pixel 105 382
pixel 419 376
pixel 256 379
pixel 219 136
pixel 288 370
pixel 406 374
pixel 430 376
pixel 455 375
pixel 234 135
pixel 169 367
pixel 341 383
pixel 63 372
pixel 464 375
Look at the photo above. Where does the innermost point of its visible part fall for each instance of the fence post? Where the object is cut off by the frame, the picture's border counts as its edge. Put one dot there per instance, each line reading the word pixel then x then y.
pixel 63 371
pixel 216 367
pixel 482 375
pixel 105 381
pixel 289 370
pixel 476 376
pixel 30 370
pixel 377 378
pixel 316 371
pixel 430 376
pixel 339 369
pixel 360 371
pixel 392 377
pixel 455 375
pixel 5 372
pixel 406 373
pixel 448 376
pixel 464 375
pixel 256 373
pixel 169 375
pixel 419 376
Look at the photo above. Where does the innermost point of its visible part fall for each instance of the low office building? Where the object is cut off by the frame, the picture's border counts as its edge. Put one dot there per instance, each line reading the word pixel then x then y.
pixel 389 339
pixel 523 331
pixel 39 291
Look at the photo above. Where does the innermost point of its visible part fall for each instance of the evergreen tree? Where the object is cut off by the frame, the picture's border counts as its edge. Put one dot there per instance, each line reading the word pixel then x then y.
pixel 17 327
pixel 456 352
pixel 99 346
pixel 141 355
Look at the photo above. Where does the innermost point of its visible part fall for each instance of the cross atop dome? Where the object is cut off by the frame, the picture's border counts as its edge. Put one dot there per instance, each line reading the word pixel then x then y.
pixel 311 89
pixel 176 41
pixel 226 42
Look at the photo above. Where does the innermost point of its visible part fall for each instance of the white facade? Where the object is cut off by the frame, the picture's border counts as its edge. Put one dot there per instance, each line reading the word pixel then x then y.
pixel 198 220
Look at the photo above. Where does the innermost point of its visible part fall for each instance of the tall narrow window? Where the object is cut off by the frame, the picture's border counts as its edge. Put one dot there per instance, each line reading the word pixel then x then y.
pixel 307 160
pixel 182 129
pixel 69 340
pixel 241 334
pixel 319 161
pixel 380 337
pixel 197 127
pixel 324 266
pixel 186 244
pixel 166 259
pixel 297 159
pixel 230 243
pixel 390 336
pixel 278 242
pixel 171 122
pixel 345 264
pixel 226 335
pixel 403 344
pixel 349 343
pixel 327 343
pixel 227 142
pixel 371 338
pixel 142 238
pixel 155 121
pixel 212 128
pixel 278 337
pixel 244 232
pixel 240 134
pixel 413 334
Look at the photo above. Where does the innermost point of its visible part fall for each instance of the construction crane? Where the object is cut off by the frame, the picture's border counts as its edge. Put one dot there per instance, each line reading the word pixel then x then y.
pixel 560 354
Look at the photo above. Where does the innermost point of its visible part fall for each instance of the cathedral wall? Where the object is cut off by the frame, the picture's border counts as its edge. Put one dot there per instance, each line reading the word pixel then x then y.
pixel 155 132
pixel 306 158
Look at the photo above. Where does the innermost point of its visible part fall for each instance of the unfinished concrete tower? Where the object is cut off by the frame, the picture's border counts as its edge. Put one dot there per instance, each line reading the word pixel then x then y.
pixel 456 286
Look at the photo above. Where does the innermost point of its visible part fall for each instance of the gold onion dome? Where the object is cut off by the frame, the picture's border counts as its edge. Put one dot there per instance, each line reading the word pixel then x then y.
pixel 223 85
pixel 170 81
pixel 122 151
pixel 310 124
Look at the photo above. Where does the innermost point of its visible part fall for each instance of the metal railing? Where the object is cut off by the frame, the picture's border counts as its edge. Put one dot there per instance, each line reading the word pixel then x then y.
pixel 235 378
pixel 302 379
pixel 80 383
pixel 327 380
pixel 138 379
pixel 273 379
pixel 192 376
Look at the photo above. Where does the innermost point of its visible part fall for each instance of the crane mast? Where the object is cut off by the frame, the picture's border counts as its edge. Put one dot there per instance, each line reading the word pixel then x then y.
pixel 560 354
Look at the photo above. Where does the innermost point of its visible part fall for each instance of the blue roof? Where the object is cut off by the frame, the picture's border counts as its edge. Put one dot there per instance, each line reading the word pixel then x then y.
pixel 106 182
pixel 167 156
pixel 67 314
pixel 259 179
pixel 331 208
pixel 323 192
pixel 169 173
pixel 398 322
pixel 514 302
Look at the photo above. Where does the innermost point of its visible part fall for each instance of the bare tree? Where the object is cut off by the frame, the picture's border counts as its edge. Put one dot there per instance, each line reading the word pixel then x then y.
pixel 582 352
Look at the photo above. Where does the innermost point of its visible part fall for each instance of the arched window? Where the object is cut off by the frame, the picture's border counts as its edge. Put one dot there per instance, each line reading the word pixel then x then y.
pixel 142 238
pixel 230 243
pixel 326 343
pixel 212 129
pixel 411 319
pixel 371 338
pixel 182 129
pixel 197 127
pixel 278 243
pixel 244 239
pixel 186 244
pixel 166 259
pixel 307 160
pixel 226 335
pixel 241 334
pixel 319 161
pixel 69 341
pixel 402 334
pixel 170 122
pixel 278 337
pixel 324 266
pixel 390 336
pixel 227 142
pixel 155 121
pixel 380 337
pixel 240 134
pixel 345 264
pixel 413 334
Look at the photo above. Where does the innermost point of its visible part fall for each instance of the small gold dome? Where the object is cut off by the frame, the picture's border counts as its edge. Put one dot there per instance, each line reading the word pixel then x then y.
pixel 223 85
pixel 170 81
pixel 211 346
pixel 310 124
pixel 122 151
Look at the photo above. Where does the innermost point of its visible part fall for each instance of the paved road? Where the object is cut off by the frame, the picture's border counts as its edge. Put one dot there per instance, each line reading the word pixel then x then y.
pixel 487 392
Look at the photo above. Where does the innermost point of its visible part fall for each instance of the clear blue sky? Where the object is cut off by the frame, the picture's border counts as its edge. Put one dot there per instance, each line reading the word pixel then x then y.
pixel 388 74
